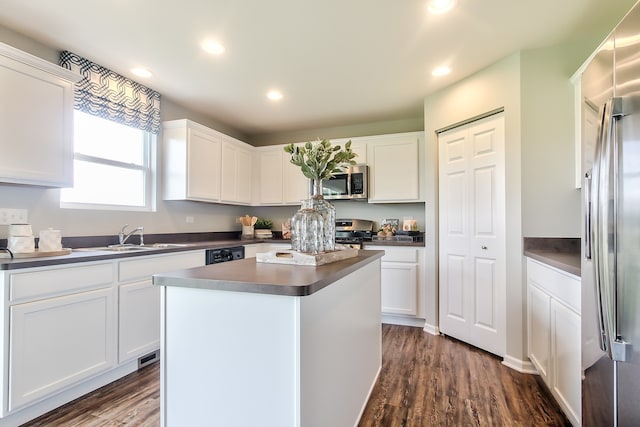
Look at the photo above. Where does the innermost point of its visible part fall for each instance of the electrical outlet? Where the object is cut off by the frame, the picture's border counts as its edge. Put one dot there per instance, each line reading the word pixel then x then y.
pixel 190 220
pixel 13 216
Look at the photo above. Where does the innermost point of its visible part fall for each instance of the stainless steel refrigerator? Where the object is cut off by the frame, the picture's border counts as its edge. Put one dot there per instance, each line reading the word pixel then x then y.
pixel 611 251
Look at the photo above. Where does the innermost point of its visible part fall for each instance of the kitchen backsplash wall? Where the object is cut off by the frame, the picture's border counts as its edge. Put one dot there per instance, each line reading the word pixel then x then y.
pixel 351 209
pixel 44 211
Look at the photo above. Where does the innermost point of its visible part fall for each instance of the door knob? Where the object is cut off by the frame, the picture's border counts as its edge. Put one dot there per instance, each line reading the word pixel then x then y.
pixel 483 247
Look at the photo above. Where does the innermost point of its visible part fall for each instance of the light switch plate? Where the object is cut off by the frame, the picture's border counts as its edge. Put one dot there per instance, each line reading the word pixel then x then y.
pixel 13 216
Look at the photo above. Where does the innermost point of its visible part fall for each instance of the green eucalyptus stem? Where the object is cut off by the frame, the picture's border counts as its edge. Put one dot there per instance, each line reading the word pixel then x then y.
pixel 320 159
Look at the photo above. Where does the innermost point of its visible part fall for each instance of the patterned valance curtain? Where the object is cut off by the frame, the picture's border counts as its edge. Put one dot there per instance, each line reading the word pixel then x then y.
pixel 104 93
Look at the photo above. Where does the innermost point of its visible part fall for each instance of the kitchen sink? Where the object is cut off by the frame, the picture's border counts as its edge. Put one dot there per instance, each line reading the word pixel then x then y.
pixel 169 245
pixel 116 248
pixel 133 248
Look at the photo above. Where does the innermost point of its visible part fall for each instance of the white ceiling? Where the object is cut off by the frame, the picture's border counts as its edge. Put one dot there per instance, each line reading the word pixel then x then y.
pixel 338 62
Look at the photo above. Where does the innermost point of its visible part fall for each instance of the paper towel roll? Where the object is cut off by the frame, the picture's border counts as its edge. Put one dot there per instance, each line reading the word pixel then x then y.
pixel 50 240
pixel 20 230
pixel 21 244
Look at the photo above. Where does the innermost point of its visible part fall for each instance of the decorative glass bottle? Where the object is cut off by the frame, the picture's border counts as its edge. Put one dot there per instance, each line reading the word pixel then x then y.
pixel 307 231
pixel 328 213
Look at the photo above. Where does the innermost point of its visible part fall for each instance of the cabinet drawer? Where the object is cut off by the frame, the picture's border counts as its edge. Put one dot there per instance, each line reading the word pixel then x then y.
pixel 59 281
pixel 400 255
pixel 144 268
pixel 562 286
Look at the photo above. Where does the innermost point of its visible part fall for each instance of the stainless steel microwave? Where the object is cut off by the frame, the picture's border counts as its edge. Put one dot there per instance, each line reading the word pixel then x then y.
pixel 352 184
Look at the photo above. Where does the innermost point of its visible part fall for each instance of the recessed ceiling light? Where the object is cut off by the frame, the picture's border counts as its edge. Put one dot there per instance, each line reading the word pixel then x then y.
pixel 441 71
pixel 440 6
pixel 213 47
pixel 274 95
pixel 141 72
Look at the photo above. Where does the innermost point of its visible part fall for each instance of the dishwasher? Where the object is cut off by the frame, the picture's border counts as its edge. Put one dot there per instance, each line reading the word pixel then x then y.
pixel 216 256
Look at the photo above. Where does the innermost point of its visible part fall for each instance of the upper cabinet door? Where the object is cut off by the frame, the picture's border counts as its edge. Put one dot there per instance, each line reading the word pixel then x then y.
pixel 203 166
pixel 270 185
pixel 36 120
pixel 192 157
pixel 236 173
pixel 394 168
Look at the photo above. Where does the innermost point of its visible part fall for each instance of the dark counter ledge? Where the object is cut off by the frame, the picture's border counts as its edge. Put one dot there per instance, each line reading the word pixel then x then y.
pixel 561 253
pixel 89 256
pixel 250 276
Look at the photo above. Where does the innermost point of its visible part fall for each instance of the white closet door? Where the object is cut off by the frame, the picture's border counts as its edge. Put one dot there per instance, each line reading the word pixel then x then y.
pixel 472 234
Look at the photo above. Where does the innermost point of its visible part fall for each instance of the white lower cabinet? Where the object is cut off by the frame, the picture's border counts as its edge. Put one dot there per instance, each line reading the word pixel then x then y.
pixel 61 329
pixel 399 288
pixel 71 329
pixel 139 300
pixel 539 321
pixel 553 322
pixel 402 289
pixel 58 342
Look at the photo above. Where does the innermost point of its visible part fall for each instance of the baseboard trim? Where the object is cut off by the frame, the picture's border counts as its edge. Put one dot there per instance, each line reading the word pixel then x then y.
pixel 402 320
pixel 431 329
pixel 524 366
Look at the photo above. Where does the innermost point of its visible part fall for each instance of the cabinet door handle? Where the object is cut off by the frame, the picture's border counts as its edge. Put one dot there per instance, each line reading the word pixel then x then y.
pixel 483 247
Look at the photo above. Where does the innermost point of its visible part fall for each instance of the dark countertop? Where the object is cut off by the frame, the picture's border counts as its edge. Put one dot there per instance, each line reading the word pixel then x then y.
pixel 250 276
pixel 561 253
pixel 193 241
pixel 375 243
pixel 87 256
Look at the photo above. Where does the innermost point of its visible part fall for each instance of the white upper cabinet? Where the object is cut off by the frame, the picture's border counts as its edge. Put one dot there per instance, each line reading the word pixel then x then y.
pixel 358 146
pixel 270 176
pixel 36 120
pixel 205 165
pixel 278 181
pixel 395 167
pixel 192 158
pixel 236 172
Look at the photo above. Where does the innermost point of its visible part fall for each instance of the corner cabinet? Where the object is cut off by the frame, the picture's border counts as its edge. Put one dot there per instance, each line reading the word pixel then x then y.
pixel 36 120
pixel 553 324
pixel 396 167
pixel 204 165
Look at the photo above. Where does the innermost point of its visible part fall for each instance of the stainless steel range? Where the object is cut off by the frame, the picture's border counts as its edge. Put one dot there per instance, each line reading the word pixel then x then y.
pixel 352 232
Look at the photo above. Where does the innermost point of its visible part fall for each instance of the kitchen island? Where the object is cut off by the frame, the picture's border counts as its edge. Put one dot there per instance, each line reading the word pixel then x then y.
pixel 256 344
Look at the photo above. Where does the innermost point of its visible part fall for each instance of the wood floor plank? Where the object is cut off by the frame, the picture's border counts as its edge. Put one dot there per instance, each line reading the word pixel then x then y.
pixel 425 381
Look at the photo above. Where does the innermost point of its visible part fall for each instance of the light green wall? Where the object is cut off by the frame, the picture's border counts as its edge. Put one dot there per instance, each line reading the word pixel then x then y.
pixel 497 86
pixel 351 131
pixel 534 89
pixel 550 203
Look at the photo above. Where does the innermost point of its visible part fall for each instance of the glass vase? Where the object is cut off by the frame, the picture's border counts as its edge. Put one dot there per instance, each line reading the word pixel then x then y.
pixel 307 233
pixel 328 213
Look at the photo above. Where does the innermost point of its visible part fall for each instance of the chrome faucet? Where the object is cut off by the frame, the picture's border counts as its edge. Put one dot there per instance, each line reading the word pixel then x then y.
pixel 122 238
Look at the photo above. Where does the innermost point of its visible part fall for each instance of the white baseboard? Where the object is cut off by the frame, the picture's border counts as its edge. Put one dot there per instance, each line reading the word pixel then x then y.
pixel 524 366
pixel 431 329
pixel 402 320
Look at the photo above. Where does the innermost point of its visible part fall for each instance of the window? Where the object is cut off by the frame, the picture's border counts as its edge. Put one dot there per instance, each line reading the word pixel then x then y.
pixel 113 166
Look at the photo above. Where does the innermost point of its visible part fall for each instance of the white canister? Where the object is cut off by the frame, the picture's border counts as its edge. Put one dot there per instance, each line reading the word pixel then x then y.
pixel 20 230
pixel 247 232
pixel 50 240
pixel 21 244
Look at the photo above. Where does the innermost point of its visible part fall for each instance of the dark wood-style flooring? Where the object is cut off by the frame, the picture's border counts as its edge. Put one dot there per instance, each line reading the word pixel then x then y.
pixel 425 381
